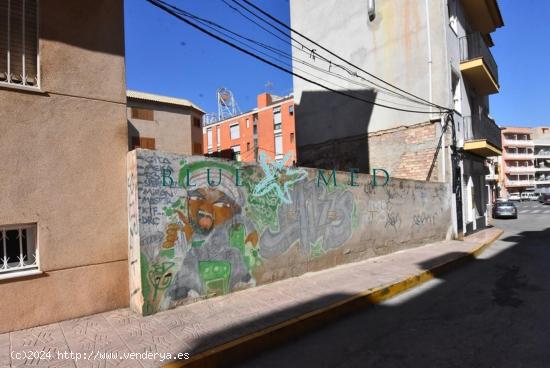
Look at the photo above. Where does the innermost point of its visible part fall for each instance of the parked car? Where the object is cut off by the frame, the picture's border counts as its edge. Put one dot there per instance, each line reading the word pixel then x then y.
pixel 505 209
pixel 533 196
pixel 514 197
pixel 545 199
pixel 502 199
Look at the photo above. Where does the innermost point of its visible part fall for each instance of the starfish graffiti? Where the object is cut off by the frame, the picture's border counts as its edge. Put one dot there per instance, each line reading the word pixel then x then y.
pixel 278 177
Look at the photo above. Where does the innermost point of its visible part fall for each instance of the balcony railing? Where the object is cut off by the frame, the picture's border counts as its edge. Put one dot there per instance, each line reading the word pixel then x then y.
pixel 482 127
pixel 519 183
pixel 520 169
pixel 472 47
pixel 519 156
pixel 518 142
pixel 542 154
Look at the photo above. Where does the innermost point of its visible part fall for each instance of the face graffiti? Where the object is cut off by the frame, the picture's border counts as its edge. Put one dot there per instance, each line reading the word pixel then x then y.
pixel 210 207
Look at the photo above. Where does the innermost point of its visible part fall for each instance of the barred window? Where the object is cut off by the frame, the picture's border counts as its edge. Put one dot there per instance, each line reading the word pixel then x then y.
pixel 17 248
pixel 19 42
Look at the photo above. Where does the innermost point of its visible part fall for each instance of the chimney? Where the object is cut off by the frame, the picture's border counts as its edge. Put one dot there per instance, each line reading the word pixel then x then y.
pixel 264 100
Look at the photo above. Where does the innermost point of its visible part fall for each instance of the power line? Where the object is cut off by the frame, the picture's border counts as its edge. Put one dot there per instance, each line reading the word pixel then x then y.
pixel 162 5
pixel 312 53
pixel 220 29
pixel 332 53
pixel 330 63
pixel 217 27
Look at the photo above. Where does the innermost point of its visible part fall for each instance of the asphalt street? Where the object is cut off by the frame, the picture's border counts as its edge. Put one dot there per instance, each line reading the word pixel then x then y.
pixel 492 312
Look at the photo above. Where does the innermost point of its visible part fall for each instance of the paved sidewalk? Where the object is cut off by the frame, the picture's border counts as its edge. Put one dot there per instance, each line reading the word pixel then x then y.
pixel 212 326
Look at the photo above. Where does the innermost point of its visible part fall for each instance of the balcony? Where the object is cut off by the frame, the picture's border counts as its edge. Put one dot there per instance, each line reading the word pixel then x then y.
pixel 483 15
pixel 518 156
pixel 482 136
pixel 543 153
pixel 518 142
pixel 519 183
pixel 520 169
pixel 478 65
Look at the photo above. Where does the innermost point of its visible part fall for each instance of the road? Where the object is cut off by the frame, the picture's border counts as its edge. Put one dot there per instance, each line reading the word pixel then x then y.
pixel 493 312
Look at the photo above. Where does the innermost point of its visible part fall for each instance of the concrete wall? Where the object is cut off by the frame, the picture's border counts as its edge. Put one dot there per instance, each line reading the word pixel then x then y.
pixel 172 127
pixel 63 150
pixel 262 223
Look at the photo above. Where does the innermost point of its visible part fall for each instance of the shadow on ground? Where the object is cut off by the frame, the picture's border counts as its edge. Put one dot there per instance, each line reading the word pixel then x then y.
pixel 493 312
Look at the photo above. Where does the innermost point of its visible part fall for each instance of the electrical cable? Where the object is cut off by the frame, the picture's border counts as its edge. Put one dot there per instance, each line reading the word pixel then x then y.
pixel 216 27
pixel 329 51
pixel 161 5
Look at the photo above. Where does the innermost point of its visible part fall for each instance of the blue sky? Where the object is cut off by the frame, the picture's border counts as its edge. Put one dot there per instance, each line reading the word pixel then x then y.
pixel 165 56
pixel 522 51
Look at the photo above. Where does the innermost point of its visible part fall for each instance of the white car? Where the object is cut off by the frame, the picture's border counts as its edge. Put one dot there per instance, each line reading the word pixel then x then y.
pixel 514 197
pixel 525 196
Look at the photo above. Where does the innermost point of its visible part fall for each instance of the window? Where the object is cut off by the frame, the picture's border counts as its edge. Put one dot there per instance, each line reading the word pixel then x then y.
pixel 143 114
pixel 19 42
pixel 291 109
pixel 291 137
pixel 209 137
pixel 234 131
pixel 247 146
pixel 247 123
pixel 278 145
pixel 218 135
pixel 196 122
pixel 236 152
pixel 197 148
pixel 18 248
pixel 143 142
pixel 453 21
pixel 457 93
pixel 277 118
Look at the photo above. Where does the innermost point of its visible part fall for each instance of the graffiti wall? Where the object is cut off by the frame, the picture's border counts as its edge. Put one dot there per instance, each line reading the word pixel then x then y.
pixel 203 227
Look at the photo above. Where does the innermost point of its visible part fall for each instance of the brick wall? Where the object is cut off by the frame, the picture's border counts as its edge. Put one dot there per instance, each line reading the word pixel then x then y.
pixel 407 152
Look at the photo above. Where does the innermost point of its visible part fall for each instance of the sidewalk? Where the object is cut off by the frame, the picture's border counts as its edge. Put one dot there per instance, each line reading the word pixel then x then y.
pixel 222 328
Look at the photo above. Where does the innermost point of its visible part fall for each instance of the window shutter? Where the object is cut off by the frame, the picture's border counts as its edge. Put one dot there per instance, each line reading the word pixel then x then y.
pixel 19 42
pixel 16 41
pixel 31 43
pixel 4 40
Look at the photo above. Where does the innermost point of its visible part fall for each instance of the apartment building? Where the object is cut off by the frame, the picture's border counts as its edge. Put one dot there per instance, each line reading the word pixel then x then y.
pixel 165 123
pixel 268 128
pixel 439 50
pixel 518 160
pixel 63 224
pixel 541 139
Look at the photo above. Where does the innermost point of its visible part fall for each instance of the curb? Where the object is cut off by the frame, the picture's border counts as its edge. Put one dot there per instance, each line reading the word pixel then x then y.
pixel 235 350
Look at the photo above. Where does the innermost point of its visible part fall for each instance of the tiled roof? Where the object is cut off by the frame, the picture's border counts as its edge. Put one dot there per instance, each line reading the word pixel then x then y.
pixel 162 99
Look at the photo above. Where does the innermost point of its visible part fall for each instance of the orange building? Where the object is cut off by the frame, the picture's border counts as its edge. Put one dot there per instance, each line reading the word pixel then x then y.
pixel 268 128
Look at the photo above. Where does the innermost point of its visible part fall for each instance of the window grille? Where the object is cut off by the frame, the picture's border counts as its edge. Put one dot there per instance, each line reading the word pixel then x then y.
pixel 18 248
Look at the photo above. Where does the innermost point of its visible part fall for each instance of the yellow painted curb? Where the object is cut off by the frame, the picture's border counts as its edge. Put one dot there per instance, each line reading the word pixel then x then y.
pixel 237 349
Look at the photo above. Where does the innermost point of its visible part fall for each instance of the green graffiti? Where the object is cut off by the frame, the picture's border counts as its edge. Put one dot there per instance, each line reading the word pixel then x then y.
pixel 145 289
pixel 237 236
pixel 249 251
pixel 354 217
pixel 215 277
pixel 156 278
pixel 317 249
